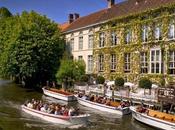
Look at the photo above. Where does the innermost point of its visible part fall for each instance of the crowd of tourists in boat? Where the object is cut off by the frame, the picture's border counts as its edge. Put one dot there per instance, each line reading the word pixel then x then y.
pixel 52 108
pixel 103 100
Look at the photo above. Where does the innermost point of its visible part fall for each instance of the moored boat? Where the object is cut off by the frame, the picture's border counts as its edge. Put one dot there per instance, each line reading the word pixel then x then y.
pixel 113 107
pixel 80 119
pixel 59 94
pixel 154 118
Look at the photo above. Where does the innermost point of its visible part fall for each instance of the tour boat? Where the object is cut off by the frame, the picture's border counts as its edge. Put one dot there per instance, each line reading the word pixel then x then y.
pixel 154 118
pixel 59 94
pixel 103 107
pixel 60 119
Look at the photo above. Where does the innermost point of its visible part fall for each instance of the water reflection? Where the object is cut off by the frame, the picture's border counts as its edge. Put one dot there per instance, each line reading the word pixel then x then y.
pixel 12 118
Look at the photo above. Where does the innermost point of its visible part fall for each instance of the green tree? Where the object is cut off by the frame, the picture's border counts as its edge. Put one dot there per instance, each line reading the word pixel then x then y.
pixel 33 50
pixel 4 13
pixel 146 84
pixel 100 80
pixel 70 71
pixel 84 78
pixel 119 82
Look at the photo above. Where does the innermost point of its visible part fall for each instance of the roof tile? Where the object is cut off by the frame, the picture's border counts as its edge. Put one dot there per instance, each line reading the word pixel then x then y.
pixel 121 9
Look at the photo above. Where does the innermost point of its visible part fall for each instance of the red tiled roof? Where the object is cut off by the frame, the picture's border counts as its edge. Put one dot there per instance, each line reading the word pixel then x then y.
pixel 63 26
pixel 122 9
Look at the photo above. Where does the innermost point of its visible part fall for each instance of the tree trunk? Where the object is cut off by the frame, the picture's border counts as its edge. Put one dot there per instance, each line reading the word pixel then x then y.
pixel 64 85
pixel 149 91
pixel 144 91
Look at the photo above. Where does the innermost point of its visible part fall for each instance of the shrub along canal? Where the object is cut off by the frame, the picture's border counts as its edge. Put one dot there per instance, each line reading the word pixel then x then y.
pixel 12 118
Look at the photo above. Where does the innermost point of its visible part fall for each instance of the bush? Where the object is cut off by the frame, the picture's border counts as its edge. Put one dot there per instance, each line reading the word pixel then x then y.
pixel 145 83
pixel 84 78
pixel 100 80
pixel 119 81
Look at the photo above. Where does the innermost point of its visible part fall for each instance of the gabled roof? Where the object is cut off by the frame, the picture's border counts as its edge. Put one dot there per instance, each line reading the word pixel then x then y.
pixel 118 10
pixel 63 26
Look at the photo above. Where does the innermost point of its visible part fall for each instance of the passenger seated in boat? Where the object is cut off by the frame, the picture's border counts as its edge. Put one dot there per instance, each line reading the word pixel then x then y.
pixel 57 110
pixel 84 97
pixel 30 105
pixel 141 109
pixel 62 110
pixel 80 95
pixel 104 100
pixel 99 99
pixel 66 111
pixel 92 98
pixel 95 98
pixel 71 111
pixel 108 102
pixel 51 109
pixel 43 109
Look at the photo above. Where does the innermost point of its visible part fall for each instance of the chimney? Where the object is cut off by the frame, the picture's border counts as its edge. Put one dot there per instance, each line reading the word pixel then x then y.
pixel 110 3
pixel 71 18
pixel 76 16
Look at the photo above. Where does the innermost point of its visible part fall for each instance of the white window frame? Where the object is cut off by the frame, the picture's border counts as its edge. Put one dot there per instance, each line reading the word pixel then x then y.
pixel 80 57
pixel 171 61
pixel 158 32
pixel 90 41
pixel 101 39
pixel 113 38
pixel 80 43
pixel 171 30
pixel 127 62
pixel 101 63
pixel 72 44
pixel 156 59
pixel 144 61
pixel 145 33
pixel 128 36
pixel 90 63
pixel 113 62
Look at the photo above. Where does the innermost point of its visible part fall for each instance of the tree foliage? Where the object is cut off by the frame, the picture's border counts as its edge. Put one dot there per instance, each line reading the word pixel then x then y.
pixel 100 80
pixel 31 46
pixel 119 81
pixel 84 78
pixel 70 70
pixel 145 83
pixel 4 13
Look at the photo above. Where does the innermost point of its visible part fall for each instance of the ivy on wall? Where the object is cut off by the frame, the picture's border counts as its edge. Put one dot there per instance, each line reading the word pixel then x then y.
pixel 161 17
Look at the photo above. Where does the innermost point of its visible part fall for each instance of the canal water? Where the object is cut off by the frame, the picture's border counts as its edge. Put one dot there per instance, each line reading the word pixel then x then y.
pixel 12 118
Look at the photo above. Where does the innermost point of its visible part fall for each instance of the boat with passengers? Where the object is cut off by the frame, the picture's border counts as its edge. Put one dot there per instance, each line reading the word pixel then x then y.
pixel 154 118
pixel 104 104
pixel 163 117
pixel 55 113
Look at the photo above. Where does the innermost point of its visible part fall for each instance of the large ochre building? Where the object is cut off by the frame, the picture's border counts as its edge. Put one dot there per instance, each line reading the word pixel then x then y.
pixel 131 39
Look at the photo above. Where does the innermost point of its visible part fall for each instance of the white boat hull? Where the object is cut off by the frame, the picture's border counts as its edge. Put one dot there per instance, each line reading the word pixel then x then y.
pixel 59 96
pixel 103 107
pixel 152 121
pixel 66 120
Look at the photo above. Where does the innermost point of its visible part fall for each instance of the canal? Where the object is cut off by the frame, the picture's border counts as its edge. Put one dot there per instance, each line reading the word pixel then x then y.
pixel 12 118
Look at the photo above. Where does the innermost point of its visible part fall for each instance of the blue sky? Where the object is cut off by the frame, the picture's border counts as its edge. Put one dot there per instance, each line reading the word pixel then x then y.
pixel 56 10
